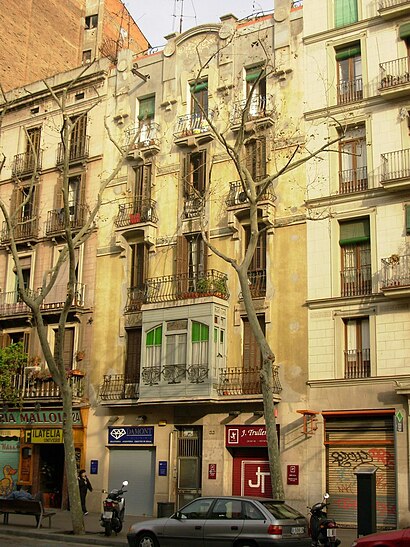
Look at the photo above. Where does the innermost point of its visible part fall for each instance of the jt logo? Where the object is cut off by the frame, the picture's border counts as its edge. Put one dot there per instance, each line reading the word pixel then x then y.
pixel 260 480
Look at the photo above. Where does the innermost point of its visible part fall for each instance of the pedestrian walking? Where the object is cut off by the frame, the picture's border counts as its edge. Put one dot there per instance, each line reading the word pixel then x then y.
pixel 84 485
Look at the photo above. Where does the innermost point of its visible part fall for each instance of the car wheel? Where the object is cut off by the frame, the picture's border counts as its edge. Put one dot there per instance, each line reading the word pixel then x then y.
pixel 147 540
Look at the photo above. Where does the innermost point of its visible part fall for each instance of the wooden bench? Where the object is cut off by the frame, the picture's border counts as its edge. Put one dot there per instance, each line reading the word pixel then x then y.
pixel 25 507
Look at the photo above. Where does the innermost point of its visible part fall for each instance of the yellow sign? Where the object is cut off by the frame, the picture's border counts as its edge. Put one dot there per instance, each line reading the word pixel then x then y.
pixel 44 436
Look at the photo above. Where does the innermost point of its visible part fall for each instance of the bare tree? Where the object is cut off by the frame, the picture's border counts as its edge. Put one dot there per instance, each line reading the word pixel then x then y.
pixel 53 354
pixel 254 191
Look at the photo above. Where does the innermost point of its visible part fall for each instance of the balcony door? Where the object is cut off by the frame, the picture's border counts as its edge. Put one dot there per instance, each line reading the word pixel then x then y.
pixel 191 261
pixel 251 357
pixel 257 105
pixel 355 258
pixel 357 348
pixel 349 74
pixel 133 363
pixel 142 192
pixel 257 267
pixel 353 161
pixel 32 147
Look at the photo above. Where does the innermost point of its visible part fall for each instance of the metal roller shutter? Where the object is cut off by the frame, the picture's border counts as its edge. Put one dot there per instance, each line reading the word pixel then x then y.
pixel 354 443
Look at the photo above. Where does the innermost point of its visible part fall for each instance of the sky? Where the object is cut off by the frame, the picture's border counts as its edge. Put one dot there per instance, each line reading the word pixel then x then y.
pixel 157 18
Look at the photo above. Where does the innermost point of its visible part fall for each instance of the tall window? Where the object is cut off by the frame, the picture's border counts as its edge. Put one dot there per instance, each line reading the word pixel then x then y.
pixel 200 343
pixel 32 147
pixel 146 114
pixel 257 267
pixel 251 358
pixel 133 361
pixel 195 173
pixel 78 140
pixel 349 73
pixel 153 347
pixel 255 158
pixel 199 98
pixel 357 348
pixel 258 101
pixel 346 12
pixel 142 192
pixel 25 263
pixel 191 261
pixel 68 347
pixel 356 272
pixel 353 161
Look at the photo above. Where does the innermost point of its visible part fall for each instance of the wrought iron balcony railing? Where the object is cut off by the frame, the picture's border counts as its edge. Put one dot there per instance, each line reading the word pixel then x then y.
pixel 177 287
pixel 394 73
pixel 119 386
pixel 261 106
pixel 32 385
pixel 237 196
pixel 353 180
pixel 56 221
pixel 349 91
pixel 145 135
pixel 395 165
pixel 140 210
pixel 239 381
pixel 25 163
pixel 356 281
pixel 396 272
pixel 26 228
pixel 384 4
pixel 11 303
pixel 257 282
pixel 357 363
pixel 78 150
pixel 192 124
pixel 175 374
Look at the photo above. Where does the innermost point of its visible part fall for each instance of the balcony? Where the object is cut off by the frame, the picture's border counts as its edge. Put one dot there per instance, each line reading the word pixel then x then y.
pixel 35 386
pixel 396 275
pixel 192 207
pixel 350 91
pixel 261 113
pixel 393 8
pixel 139 211
pixel 25 163
pixel 119 387
pixel 394 78
pixel 353 180
pixel 237 381
pixel 78 151
pixel 395 174
pixel 11 304
pixel 145 138
pixel 175 374
pixel 193 129
pixel 237 198
pixel 56 222
pixel 257 283
pixel 25 229
pixel 357 363
pixel 356 281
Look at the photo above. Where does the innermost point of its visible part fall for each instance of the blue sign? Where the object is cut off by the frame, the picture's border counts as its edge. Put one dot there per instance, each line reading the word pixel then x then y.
pixel 162 469
pixel 93 467
pixel 125 434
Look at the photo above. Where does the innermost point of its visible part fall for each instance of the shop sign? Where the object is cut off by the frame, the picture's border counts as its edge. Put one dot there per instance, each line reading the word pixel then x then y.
pixel 212 471
pixel 130 435
pixel 36 418
pixel 162 468
pixel 245 435
pixel 43 436
pixel 292 474
pixel 399 422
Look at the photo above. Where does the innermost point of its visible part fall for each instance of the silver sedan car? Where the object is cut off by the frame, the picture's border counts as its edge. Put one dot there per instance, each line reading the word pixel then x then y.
pixel 225 521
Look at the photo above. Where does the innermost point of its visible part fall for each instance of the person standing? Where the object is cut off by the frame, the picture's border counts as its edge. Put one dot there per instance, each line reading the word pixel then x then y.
pixel 84 485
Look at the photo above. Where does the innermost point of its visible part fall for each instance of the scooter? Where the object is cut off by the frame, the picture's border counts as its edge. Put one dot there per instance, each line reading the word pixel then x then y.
pixel 322 529
pixel 112 517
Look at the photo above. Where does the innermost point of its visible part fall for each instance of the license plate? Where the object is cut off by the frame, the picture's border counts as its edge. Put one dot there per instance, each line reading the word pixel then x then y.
pixel 107 514
pixel 331 532
pixel 297 530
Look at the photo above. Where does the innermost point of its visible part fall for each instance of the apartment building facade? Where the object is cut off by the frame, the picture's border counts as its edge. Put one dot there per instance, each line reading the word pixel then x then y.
pixel 176 383
pixel 357 88
pixel 31 442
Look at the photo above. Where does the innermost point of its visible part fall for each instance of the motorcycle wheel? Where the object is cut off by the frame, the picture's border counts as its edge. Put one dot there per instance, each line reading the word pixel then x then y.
pixel 147 540
pixel 118 527
pixel 107 529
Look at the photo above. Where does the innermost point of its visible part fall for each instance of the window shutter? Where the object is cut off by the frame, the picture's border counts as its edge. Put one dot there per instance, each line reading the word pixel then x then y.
pixel 345 12
pixel 348 52
pixel 146 108
pixel 408 219
pixel 182 255
pixel 200 86
pixel 133 358
pixel 26 342
pixel 186 175
pixel 404 31
pixel 253 74
pixel 260 158
pixel 58 193
pixel 146 191
pixel 202 172
pixel 354 232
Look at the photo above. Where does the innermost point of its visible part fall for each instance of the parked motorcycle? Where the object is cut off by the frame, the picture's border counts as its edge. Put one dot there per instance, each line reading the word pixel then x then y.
pixel 322 529
pixel 113 513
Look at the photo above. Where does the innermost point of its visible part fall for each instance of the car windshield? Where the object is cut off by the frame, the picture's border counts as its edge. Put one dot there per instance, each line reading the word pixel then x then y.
pixel 281 510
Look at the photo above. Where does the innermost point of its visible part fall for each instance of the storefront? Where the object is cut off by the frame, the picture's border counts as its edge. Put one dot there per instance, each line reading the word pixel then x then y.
pixel 251 475
pixel 354 441
pixel 32 452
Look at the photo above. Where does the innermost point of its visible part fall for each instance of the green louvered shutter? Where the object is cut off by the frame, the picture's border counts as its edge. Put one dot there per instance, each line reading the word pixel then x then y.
pixel 345 12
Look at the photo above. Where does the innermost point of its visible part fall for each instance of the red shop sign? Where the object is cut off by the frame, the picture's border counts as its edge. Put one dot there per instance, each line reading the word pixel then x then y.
pixel 245 435
pixel 292 474
pixel 212 471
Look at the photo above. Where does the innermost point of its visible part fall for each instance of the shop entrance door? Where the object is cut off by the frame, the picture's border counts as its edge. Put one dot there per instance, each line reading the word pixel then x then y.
pixel 189 464
pixel 51 474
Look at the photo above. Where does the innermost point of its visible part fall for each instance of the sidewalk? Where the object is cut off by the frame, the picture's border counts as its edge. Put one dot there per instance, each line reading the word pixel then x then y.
pixel 24 526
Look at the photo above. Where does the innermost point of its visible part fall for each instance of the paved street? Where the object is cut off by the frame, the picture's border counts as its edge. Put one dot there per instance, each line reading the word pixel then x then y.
pixel 6 540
